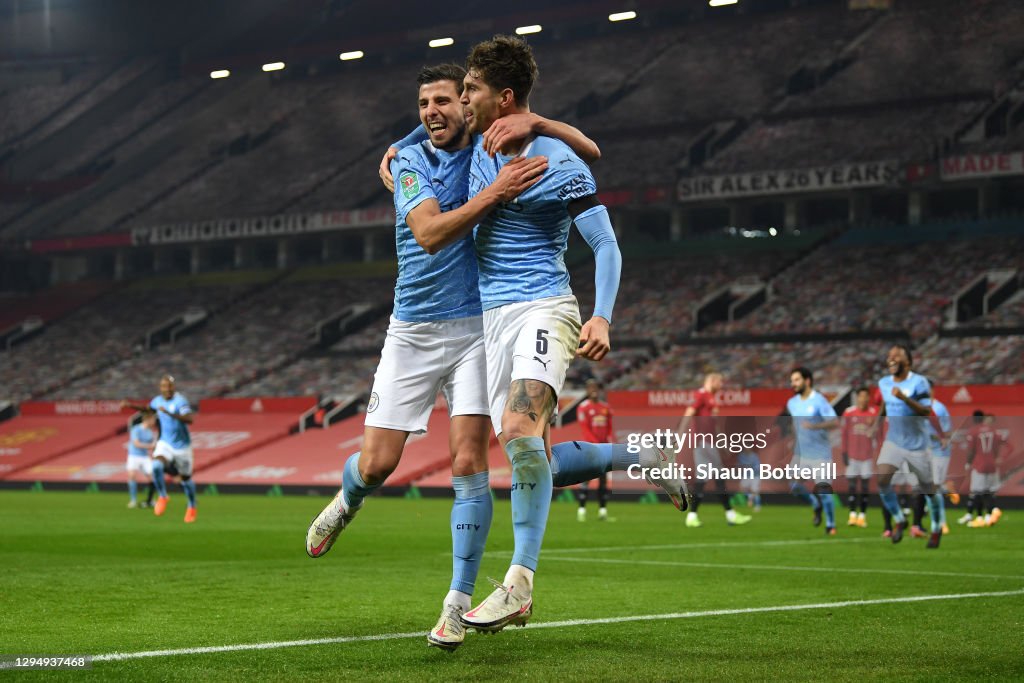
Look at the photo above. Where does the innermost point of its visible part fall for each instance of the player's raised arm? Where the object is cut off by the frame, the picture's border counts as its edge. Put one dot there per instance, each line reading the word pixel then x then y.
pixel 188 418
pixel 591 218
pixel 435 229
pixel 134 406
pixel 919 402
pixel 515 127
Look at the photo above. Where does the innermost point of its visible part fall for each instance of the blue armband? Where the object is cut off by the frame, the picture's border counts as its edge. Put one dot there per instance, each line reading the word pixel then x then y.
pixel 596 228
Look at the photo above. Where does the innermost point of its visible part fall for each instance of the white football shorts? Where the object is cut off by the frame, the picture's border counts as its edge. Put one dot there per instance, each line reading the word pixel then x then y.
pixel 140 463
pixel 418 361
pixel 919 463
pixel 529 340
pixel 180 457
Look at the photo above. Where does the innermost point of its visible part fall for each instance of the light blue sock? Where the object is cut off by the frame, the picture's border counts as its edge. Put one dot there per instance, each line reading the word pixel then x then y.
pixel 471 520
pixel 531 497
pixel 189 487
pixel 757 500
pixel 801 492
pixel 353 487
pixel 158 478
pixel 829 503
pixel 892 503
pixel 133 491
pixel 938 511
pixel 575 462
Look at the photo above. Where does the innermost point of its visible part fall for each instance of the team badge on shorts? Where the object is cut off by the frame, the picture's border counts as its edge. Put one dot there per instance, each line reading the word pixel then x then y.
pixel 410 184
pixel 374 402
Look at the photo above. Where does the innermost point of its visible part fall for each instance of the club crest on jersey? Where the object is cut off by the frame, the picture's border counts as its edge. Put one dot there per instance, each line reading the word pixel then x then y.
pixel 410 184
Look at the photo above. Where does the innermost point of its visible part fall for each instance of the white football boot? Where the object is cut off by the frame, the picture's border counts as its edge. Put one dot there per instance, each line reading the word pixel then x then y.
pixel 324 530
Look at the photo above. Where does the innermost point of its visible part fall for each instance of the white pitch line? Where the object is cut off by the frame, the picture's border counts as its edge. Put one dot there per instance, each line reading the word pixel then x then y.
pixel 274 645
pixel 716 565
pixel 686 546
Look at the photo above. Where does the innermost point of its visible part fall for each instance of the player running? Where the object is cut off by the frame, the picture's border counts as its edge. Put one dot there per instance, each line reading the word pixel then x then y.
pixel 813 417
pixel 141 442
pixel 174 445
pixel 595 418
pixel 860 446
pixel 906 404
pixel 984 444
pixel 435 338
pixel 702 414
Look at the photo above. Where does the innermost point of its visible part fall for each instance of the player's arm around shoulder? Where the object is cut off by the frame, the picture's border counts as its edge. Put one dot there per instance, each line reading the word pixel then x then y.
pixel 514 127
pixel 435 229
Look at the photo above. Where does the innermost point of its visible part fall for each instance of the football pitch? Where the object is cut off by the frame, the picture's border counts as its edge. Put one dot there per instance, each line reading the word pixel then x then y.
pixel 642 598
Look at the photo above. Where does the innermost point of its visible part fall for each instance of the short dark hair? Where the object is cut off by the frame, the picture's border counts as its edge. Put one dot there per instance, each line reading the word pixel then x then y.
pixel 505 62
pixel 978 415
pixel 860 389
pixel 906 350
pixel 804 372
pixel 442 72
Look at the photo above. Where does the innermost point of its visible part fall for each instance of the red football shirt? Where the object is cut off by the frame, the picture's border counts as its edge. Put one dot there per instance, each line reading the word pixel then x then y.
pixel 986 442
pixel 858 442
pixel 704 406
pixel 596 420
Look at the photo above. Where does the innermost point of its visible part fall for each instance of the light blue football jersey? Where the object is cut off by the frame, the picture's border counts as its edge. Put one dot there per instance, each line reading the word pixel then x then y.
pixel 443 286
pixel 946 422
pixel 142 435
pixel 520 246
pixel 173 431
pixel 907 429
pixel 812 444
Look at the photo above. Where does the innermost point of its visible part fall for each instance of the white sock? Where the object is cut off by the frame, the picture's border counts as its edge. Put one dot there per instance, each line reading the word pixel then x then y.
pixel 730 514
pixel 457 599
pixel 691 515
pixel 519 580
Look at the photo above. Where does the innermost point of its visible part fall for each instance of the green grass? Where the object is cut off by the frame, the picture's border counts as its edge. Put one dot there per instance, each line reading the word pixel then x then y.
pixel 84 575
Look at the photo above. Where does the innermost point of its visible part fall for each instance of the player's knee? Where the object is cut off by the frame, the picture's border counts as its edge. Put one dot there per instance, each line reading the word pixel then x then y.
pixel 375 471
pixel 377 465
pixel 465 463
pixel 516 427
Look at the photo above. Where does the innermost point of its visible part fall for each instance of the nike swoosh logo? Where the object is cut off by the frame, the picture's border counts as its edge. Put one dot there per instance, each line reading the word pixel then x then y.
pixel 317 549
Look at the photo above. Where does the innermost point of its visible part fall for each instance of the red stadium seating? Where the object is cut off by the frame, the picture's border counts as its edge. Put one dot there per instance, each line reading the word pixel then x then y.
pixel 28 442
